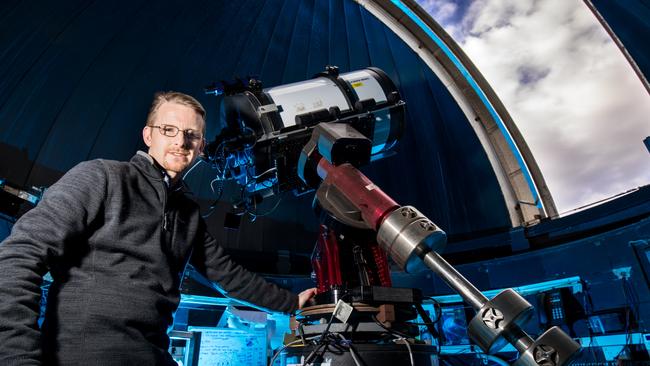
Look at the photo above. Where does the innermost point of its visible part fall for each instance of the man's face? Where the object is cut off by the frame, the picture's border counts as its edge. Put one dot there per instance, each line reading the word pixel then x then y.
pixel 175 154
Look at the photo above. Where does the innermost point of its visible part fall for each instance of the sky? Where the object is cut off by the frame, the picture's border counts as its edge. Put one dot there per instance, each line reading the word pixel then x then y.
pixel 580 107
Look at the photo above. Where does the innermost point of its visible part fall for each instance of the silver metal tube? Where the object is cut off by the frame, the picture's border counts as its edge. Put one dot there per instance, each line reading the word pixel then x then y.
pixel 518 338
pixel 524 343
pixel 455 280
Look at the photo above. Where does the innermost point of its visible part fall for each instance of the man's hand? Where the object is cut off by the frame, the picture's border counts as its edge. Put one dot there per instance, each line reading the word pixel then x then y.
pixel 305 297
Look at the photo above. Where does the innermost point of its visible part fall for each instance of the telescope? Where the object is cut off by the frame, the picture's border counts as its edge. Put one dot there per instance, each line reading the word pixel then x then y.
pixel 314 135
pixel 264 129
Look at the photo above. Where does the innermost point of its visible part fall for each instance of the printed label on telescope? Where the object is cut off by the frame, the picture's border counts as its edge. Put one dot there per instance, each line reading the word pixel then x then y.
pixel 299 107
pixel 371 186
pixel 365 85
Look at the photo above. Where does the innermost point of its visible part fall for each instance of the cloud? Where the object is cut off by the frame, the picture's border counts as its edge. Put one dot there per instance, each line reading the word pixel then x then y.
pixel 576 100
pixel 441 10
pixel 447 13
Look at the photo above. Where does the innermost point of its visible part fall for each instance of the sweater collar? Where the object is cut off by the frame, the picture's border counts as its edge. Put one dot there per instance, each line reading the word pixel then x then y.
pixel 150 167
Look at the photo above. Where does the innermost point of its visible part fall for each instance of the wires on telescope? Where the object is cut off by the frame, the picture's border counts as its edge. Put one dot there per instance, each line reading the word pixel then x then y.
pixel 232 158
pixel 214 204
pixel 287 345
pixel 353 352
pixel 325 337
pixel 198 161
pixel 399 337
pixel 249 203
pixel 436 307
pixel 393 332
pixel 254 216
pixel 631 314
pixel 408 345
pixel 271 170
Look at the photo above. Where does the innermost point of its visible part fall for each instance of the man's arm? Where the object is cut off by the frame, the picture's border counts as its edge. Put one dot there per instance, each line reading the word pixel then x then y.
pixel 235 281
pixel 40 237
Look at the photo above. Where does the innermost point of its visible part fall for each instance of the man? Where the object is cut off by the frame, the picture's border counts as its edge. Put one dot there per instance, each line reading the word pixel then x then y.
pixel 116 237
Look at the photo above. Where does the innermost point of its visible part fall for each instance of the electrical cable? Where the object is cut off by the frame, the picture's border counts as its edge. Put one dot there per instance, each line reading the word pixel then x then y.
pixel 631 312
pixel 253 180
pixel 353 353
pixel 329 323
pixel 198 161
pixel 429 323
pixel 589 309
pixel 213 206
pixel 436 307
pixel 212 184
pixel 322 338
pixel 627 319
pixel 256 177
pixel 284 347
pixel 256 215
pixel 317 347
pixel 406 342
pixel 496 359
pixel 392 332
pixel 301 333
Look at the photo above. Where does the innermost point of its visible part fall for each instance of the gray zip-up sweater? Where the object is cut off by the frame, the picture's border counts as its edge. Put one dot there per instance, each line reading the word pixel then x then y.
pixel 116 242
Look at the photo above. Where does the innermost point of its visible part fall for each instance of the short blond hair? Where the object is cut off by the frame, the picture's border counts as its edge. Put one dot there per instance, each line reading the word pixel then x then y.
pixel 171 96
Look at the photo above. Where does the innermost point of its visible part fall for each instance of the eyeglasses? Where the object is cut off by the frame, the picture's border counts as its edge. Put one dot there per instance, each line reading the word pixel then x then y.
pixel 172 131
